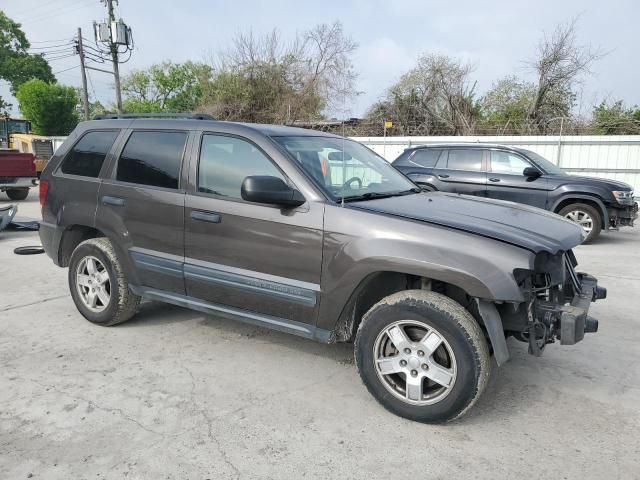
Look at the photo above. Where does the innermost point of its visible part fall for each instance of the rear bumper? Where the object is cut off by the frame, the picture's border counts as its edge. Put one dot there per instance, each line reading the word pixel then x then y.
pixel 50 236
pixel 9 183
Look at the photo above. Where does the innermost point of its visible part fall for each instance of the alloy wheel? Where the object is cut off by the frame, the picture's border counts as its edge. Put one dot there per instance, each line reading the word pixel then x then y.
pixel 93 284
pixel 415 362
pixel 582 218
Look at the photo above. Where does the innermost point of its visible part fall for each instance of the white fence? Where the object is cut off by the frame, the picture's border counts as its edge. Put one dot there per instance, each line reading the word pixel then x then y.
pixel 616 157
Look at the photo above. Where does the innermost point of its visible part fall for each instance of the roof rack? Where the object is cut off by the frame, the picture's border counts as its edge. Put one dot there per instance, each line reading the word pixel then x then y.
pixel 193 116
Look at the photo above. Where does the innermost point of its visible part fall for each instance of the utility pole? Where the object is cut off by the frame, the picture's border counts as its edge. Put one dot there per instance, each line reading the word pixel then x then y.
pixel 85 94
pixel 113 46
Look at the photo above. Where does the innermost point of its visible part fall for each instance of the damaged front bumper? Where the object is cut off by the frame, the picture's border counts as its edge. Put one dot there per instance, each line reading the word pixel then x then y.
pixel 624 216
pixel 557 301
pixel 570 322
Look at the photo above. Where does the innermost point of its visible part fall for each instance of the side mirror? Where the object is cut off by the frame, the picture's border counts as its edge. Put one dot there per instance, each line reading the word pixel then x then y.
pixel 531 172
pixel 270 190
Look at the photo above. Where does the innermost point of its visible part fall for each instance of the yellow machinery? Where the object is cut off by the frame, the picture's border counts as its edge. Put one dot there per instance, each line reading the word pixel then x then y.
pixel 41 147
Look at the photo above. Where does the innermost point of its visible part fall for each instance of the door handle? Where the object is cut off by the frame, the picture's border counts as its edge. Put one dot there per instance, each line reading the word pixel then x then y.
pixel 113 201
pixel 205 216
pixel 442 176
pixel 494 179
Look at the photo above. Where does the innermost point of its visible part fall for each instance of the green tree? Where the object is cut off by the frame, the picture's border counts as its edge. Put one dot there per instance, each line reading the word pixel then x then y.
pixel 16 64
pixel 506 106
pixel 165 87
pixel 616 119
pixel 52 108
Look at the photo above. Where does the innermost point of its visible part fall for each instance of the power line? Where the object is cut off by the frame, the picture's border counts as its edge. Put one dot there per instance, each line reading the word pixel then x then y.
pixel 60 57
pixel 65 70
pixel 49 47
pixel 69 49
pixel 50 7
pixel 52 41
pixel 61 11
pixel 51 10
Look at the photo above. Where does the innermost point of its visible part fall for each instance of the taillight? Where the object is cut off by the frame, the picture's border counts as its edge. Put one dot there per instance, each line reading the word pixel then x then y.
pixel 44 191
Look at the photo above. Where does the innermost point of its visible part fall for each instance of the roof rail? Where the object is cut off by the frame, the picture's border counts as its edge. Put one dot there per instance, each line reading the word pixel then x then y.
pixel 193 116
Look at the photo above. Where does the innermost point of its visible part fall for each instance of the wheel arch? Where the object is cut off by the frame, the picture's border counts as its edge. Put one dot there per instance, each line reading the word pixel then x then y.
pixel 74 235
pixel 591 200
pixel 378 285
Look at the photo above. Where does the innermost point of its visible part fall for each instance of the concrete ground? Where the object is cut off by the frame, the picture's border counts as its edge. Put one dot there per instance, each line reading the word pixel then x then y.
pixel 174 394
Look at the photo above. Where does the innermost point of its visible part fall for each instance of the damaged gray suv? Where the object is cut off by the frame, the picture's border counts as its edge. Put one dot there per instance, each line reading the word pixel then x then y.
pixel 314 235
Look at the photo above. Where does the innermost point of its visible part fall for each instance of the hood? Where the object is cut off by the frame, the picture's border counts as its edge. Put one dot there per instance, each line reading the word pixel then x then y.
pixel 593 181
pixel 527 227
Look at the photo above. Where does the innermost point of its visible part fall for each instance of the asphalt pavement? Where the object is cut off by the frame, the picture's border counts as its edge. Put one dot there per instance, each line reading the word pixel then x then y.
pixel 176 394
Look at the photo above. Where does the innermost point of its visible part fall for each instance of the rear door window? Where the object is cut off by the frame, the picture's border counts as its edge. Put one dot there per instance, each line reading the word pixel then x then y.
pixel 152 158
pixel 465 159
pixel 425 158
pixel 87 156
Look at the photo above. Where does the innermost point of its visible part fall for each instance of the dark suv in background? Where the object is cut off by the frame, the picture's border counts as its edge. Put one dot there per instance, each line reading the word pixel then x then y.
pixel 315 235
pixel 523 176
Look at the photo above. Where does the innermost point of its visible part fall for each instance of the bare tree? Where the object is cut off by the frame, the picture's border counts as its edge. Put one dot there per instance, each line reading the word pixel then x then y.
pixel 264 79
pixel 560 65
pixel 435 97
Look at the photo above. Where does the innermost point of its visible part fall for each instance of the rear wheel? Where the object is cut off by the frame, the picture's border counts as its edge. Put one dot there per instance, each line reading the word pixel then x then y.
pixel 98 285
pixel 18 193
pixel 422 356
pixel 588 217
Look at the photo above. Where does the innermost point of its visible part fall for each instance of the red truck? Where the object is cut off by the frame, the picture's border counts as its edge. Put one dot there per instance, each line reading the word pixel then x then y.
pixel 17 173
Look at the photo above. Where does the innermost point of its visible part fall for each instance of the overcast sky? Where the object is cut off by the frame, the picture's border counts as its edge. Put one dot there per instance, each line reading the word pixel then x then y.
pixel 496 36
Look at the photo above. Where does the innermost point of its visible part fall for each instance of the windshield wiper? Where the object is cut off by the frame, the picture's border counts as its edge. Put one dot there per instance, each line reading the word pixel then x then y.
pixel 374 195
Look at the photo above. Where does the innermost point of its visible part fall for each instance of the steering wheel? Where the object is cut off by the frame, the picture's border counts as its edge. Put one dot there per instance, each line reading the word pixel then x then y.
pixel 348 183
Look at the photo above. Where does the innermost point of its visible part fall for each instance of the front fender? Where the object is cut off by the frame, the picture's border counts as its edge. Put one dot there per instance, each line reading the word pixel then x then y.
pixel 482 267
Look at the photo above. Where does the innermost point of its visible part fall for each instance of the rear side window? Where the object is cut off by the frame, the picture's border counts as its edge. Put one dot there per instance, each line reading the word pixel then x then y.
pixel 87 156
pixel 152 158
pixel 465 160
pixel 426 158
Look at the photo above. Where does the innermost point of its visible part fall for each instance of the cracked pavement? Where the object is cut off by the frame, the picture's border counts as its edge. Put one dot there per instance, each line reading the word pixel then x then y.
pixel 176 394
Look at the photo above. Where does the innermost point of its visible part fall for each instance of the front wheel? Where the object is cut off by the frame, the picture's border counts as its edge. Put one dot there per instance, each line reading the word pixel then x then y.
pixel 586 216
pixel 18 193
pixel 422 356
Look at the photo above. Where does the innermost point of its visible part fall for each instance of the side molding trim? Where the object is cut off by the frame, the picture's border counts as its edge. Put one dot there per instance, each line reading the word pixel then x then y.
pixel 273 323
pixel 254 284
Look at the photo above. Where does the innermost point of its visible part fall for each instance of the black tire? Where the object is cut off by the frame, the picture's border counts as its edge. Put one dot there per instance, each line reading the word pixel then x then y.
pixel 593 212
pixel 456 325
pixel 123 303
pixel 18 193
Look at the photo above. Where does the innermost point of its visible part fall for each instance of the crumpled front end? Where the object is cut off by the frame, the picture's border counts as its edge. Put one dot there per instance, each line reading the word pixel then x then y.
pixel 557 301
pixel 7 212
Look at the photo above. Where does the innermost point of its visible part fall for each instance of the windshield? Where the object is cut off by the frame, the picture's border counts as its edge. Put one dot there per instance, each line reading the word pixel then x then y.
pixel 545 164
pixel 345 169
